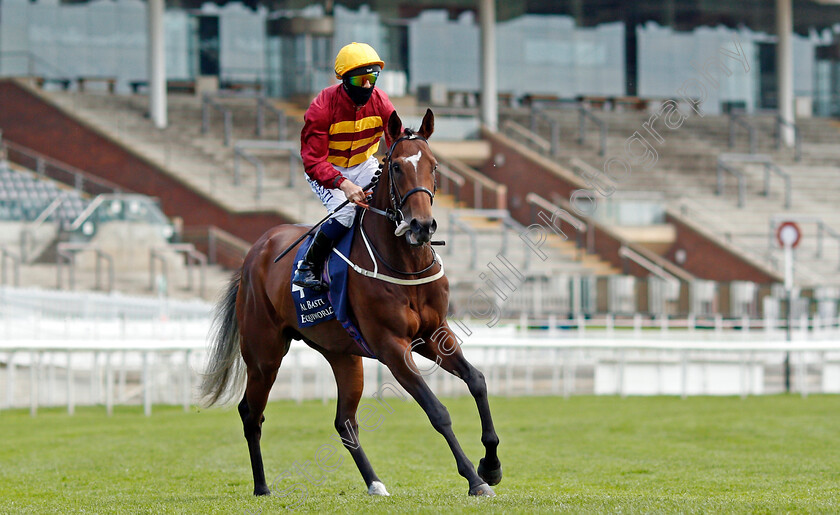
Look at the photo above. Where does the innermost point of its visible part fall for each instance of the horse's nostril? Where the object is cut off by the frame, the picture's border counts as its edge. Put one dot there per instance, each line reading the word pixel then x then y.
pixel 415 225
pixel 425 227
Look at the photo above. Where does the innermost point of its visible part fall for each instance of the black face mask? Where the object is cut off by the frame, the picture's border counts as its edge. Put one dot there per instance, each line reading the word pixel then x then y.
pixel 358 94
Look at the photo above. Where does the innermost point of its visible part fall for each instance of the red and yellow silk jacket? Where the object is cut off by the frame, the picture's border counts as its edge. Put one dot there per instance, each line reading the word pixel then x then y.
pixel 336 133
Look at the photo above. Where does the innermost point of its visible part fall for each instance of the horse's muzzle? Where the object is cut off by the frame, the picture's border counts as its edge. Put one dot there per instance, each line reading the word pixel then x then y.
pixel 420 233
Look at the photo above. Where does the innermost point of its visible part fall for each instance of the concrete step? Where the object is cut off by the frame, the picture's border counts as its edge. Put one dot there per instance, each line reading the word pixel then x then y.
pixel 202 161
pixel 44 275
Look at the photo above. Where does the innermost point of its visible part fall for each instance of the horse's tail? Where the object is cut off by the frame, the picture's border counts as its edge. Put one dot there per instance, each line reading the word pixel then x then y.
pixel 225 375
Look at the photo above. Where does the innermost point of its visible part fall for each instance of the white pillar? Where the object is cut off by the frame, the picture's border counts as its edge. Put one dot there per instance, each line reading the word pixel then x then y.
pixel 489 87
pixel 784 66
pixel 156 64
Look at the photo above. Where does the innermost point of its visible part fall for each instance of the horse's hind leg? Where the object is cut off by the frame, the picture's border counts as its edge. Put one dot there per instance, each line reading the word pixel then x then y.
pixel 450 358
pixel 399 362
pixel 349 377
pixel 261 377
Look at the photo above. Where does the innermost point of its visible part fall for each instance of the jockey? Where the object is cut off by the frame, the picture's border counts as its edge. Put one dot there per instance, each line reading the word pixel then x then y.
pixel 340 136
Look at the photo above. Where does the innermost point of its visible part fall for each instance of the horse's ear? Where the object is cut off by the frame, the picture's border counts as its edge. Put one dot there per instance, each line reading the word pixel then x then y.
pixel 394 126
pixel 428 125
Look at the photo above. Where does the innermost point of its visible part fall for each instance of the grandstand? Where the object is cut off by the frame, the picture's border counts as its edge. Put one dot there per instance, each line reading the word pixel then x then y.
pixel 228 148
pixel 97 194
pixel 687 171
pixel 611 186
pixel 58 236
pixel 24 197
pixel 204 161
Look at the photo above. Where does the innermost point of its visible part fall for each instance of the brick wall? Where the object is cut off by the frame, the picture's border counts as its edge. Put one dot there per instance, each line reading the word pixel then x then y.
pixel 523 174
pixel 30 121
pixel 708 260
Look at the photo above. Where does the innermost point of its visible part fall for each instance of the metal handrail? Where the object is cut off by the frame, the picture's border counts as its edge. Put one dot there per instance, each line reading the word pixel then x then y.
pixel 593 227
pixel 50 209
pixel 6 255
pixel 508 222
pixel 199 259
pixel 822 230
pixel 262 105
pixel 469 231
pixel 207 102
pixel 584 113
pixel 99 200
pixel 256 162
pixel 66 253
pixel 769 167
pixel 452 177
pixel 154 255
pixel 27 234
pixel 580 226
pixel 217 237
pixel 736 118
pixel 797 136
pixel 86 212
pixel 699 219
pixel 480 182
pixel 189 250
pixel 514 130
pixel 41 162
pixel 554 128
pixel 723 167
pixel 587 171
pixel 241 147
pixel 627 253
pixel 103 256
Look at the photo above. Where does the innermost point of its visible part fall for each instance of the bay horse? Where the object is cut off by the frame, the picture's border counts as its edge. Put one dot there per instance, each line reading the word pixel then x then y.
pixel 256 318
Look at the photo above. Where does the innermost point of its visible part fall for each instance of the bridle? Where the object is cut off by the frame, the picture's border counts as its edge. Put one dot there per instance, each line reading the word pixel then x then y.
pixel 398 200
pixel 394 213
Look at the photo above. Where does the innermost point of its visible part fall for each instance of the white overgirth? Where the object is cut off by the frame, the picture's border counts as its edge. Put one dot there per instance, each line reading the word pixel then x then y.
pixel 374 274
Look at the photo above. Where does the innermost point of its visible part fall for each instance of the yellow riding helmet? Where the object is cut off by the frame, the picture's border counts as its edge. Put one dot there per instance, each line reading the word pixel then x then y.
pixel 355 55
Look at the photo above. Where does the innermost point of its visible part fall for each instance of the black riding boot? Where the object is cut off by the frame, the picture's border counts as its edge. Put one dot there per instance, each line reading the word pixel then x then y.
pixel 308 274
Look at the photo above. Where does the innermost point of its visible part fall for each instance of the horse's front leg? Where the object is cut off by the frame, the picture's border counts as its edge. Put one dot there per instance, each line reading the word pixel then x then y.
pixel 443 349
pixel 349 377
pixel 397 357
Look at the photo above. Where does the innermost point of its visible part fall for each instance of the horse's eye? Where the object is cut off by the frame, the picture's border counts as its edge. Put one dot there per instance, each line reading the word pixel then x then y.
pixel 396 168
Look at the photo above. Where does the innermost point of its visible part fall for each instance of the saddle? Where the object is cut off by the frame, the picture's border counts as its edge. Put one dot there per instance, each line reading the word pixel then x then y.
pixel 314 307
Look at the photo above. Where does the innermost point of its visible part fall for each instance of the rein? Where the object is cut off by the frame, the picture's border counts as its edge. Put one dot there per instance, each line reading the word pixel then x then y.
pixel 374 274
pixel 394 213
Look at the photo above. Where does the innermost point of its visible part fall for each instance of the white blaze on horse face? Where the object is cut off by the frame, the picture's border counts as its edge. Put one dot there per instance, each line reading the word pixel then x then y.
pixel 414 159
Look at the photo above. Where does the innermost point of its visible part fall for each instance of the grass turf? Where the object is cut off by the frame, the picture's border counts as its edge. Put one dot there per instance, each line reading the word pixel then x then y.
pixel 585 454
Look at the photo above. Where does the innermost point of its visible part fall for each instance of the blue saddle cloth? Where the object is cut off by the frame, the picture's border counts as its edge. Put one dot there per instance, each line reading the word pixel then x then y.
pixel 315 307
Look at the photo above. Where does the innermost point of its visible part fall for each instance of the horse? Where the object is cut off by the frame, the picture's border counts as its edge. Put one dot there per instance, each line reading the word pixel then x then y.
pixel 256 318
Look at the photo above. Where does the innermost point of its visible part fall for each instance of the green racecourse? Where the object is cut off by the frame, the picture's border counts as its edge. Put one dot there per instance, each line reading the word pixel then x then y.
pixel 769 454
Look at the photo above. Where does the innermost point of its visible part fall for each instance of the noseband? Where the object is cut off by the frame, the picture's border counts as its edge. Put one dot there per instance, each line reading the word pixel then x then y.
pixel 397 200
pixel 395 215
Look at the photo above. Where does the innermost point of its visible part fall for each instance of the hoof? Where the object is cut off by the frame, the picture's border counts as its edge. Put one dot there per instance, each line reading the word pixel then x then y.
pixel 377 488
pixel 493 477
pixel 484 490
pixel 262 490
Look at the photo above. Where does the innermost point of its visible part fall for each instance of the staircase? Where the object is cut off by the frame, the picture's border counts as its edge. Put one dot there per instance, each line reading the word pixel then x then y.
pixel 201 160
pixel 31 261
pixel 204 163
pixel 686 173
